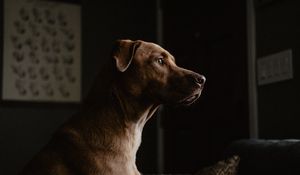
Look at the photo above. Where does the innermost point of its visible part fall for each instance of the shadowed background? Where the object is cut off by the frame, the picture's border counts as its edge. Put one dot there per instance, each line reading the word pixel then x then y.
pixel 209 38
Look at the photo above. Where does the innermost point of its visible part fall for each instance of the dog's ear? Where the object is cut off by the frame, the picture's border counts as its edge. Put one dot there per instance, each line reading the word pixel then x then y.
pixel 123 53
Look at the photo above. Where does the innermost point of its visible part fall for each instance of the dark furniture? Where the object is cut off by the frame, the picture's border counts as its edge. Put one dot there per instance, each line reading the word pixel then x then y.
pixel 268 157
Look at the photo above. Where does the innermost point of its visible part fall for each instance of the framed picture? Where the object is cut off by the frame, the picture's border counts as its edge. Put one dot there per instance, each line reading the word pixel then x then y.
pixel 41 51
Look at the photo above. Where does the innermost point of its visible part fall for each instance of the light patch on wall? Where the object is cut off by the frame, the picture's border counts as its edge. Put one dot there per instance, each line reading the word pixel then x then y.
pixel 275 67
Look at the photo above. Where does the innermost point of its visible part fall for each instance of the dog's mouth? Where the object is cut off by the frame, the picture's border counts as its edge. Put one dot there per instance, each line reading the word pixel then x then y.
pixel 190 99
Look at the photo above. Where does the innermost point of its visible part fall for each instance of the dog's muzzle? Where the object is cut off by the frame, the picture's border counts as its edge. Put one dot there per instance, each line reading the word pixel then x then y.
pixel 197 82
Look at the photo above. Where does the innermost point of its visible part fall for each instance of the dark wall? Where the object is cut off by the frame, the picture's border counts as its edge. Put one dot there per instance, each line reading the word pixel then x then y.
pixel 209 38
pixel 25 127
pixel 277 29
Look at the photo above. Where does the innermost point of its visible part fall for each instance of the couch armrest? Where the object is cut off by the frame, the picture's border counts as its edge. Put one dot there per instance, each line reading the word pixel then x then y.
pixel 267 157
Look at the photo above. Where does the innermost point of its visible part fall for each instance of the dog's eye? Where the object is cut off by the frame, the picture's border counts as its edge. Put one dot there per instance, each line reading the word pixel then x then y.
pixel 161 61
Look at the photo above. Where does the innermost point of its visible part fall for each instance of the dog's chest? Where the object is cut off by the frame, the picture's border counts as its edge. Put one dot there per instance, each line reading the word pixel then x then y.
pixel 133 140
pixel 122 161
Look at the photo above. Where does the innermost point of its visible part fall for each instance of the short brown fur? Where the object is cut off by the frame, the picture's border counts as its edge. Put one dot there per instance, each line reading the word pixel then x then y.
pixel 103 138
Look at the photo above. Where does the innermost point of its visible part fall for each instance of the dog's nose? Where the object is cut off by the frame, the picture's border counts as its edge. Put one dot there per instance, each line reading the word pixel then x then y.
pixel 199 79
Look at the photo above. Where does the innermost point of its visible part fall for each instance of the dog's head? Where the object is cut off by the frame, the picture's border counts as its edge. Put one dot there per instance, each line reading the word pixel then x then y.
pixel 149 71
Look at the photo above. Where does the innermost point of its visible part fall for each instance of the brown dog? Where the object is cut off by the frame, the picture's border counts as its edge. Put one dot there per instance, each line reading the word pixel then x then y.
pixel 104 137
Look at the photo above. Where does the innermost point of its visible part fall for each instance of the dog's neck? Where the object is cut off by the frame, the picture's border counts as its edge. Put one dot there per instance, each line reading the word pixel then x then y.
pixel 117 126
pixel 136 111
